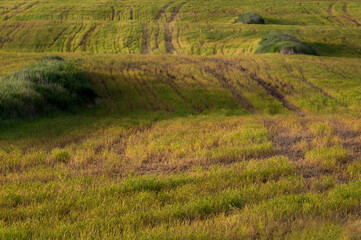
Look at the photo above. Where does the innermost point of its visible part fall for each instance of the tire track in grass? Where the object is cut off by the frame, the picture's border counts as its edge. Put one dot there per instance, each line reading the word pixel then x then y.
pixel 271 90
pixel 166 29
pixel 303 79
pixel 159 103
pixel 285 86
pixel 305 9
pixel 178 37
pixel 131 11
pixel 8 37
pixel 57 37
pixel 239 97
pixel 142 82
pixel 145 39
pixel 115 81
pixel 162 11
pixel 12 9
pixel 71 39
pixel 320 14
pixel 349 16
pixel 156 36
pixel 226 84
pixel 113 13
pixel 169 80
pixel 133 81
pixel 168 39
pixel 332 14
pixel 65 13
pixel 31 5
pixel 318 89
pixel 176 12
pixel 85 38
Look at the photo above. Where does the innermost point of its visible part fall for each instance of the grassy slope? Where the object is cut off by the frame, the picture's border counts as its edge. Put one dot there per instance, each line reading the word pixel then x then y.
pixel 242 146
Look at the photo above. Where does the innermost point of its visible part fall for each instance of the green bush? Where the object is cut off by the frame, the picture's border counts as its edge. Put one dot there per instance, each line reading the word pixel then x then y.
pixel 250 18
pixel 285 44
pixel 50 84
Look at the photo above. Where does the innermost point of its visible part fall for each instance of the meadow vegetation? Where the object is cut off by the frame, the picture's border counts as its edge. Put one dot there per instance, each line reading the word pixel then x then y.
pixel 191 135
pixel 50 84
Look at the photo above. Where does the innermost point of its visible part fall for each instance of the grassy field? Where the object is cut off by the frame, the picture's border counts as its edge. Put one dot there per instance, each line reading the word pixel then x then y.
pixel 192 135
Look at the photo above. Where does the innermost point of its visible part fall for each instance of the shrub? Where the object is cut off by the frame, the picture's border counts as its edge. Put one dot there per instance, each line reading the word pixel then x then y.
pixel 50 84
pixel 250 18
pixel 285 44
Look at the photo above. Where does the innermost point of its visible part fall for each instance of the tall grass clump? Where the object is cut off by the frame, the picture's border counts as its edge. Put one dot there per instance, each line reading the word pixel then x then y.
pixel 48 85
pixel 285 44
pixel 250 18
